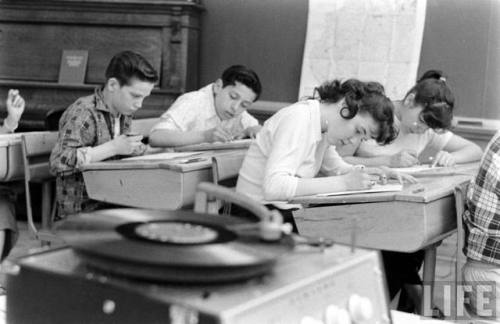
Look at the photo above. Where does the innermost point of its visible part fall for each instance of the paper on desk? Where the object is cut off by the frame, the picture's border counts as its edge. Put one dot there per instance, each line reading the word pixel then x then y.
pixel 418 168
pixel 375 188
pixel 234 144
pixel 162 156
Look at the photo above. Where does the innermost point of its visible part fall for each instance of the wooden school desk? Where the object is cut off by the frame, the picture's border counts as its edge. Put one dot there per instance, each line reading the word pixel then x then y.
pixel 159 184
pixel 11 157
pixel 419 217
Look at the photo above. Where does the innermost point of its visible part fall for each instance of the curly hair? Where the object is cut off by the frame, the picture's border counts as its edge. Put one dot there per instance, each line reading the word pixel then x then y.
pixel 365 98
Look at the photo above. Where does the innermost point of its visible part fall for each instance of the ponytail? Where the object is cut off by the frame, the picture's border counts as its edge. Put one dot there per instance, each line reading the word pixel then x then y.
pixel 435 96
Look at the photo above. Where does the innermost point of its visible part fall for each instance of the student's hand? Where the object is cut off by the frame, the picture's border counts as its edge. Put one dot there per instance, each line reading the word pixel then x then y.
pixel 444 158
pixel 249 132
pixel 403 159
pixel 127 145
pixel 218 134
pixel 15 107
pixel 357 180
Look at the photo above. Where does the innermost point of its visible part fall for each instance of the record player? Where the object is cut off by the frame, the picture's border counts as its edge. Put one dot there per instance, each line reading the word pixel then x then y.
pixel 144 266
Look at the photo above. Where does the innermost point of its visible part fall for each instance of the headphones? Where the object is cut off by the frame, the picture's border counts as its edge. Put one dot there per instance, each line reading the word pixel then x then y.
pixel 347 112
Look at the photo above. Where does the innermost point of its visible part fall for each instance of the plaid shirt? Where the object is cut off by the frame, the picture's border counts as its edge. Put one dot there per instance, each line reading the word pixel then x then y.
pixel 482 217
pixel 86 123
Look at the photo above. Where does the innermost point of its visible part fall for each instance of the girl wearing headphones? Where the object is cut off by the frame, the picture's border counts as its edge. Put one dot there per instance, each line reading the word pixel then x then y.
pixel 298 142
pixel 423 118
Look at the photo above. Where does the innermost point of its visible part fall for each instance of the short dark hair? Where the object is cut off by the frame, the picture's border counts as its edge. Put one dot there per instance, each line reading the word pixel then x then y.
pixel 435 96
pixel 243 75
pixel 127 65
pixel 363 97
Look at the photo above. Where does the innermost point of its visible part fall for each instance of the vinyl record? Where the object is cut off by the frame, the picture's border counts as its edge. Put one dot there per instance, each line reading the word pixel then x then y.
pixel 170 246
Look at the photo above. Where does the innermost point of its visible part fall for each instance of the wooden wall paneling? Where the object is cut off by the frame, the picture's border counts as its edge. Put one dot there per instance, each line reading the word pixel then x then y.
pixel 33 35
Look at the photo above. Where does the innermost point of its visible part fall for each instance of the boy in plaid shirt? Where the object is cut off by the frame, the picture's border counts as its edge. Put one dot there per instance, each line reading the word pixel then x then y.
pixel 482 234
pixel 93 128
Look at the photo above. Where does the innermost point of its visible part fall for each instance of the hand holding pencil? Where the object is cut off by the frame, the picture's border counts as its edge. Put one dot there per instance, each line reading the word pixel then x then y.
pixel 443 158
pixel 403 159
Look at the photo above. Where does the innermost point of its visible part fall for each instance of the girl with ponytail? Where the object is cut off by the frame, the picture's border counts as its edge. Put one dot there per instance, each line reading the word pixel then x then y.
pixel 423 118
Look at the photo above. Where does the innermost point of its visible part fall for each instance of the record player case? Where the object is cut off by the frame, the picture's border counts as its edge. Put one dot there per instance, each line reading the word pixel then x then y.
pixel 57 287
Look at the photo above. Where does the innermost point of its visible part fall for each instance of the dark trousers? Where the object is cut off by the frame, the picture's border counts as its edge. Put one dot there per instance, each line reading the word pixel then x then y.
pixel 400 269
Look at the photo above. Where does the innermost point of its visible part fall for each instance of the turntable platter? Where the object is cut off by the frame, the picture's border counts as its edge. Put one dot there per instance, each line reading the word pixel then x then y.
pixel 169 245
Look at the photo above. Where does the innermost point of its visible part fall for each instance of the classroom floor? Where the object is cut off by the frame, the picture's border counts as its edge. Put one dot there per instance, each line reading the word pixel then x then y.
pixel 445 265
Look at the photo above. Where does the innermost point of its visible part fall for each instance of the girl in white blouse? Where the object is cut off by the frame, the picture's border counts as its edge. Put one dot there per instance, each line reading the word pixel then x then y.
pixel 298 142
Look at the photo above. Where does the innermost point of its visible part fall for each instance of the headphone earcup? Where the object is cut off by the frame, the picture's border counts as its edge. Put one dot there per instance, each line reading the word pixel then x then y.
pixel 348 112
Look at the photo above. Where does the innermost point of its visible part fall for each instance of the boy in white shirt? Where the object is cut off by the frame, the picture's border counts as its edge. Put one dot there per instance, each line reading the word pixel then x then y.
pixel 214 113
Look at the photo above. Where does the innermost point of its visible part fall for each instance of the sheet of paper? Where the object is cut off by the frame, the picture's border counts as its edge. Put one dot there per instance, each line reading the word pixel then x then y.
pixel 375 188
pixel 235 144
pixel 162 156
pixel 420 168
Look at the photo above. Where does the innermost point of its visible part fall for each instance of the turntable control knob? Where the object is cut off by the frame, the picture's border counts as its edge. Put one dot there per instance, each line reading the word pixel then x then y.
pixel 108 306
pixel 310 320
pixel 361 308
pixel 336 315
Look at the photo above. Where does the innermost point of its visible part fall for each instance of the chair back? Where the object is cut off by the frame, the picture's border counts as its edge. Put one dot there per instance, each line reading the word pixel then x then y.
pixel 206 190
pixel 460 207
pixel 36 153
pixel 227 166
pixel 52 118
pixel 225 170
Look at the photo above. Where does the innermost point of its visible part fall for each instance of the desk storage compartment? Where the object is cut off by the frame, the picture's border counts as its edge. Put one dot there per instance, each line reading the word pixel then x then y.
pixel 11 158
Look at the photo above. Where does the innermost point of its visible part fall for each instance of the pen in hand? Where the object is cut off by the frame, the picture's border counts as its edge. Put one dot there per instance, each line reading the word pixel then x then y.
pixel 433 161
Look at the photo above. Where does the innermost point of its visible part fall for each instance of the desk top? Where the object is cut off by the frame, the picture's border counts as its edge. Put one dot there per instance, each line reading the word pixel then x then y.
pixel 236 144
pixel 9 139
pixel 429 188
pixel 185 163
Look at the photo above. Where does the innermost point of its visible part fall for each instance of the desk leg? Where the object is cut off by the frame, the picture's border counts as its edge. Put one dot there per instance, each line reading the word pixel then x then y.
pixel 46 204
pixel 429 274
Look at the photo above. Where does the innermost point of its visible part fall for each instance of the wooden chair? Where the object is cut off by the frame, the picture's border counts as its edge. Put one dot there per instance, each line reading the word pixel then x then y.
pixel 460 207
pixel 36 153
pixel 205 191
pixel 225 169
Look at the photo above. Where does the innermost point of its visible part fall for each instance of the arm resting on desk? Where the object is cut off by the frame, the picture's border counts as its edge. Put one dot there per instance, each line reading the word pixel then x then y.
pixel 167 138
pixel 463 150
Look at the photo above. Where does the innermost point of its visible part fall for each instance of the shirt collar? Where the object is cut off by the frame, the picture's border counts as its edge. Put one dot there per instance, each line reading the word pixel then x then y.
pixel 209 90
pixel 100 104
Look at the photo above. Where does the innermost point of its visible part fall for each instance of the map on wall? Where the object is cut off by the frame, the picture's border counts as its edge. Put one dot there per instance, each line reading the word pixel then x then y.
pixel 372 40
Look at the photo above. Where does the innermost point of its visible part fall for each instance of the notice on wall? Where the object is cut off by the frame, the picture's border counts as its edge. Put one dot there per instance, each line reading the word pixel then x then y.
pixel 73 66
pixel 365 39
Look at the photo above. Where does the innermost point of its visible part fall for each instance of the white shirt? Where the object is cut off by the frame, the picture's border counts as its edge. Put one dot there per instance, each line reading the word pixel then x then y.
pixel 415 142
pixel 195 111
pixel 288 147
